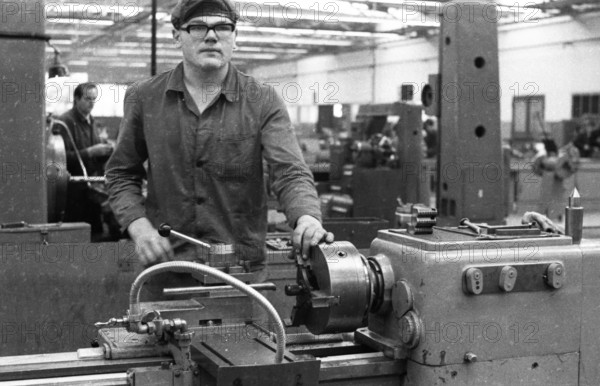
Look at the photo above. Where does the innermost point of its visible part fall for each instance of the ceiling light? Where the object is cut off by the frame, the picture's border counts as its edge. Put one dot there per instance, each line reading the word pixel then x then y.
pixel 290 40
pixel 81 21
pixel 78 62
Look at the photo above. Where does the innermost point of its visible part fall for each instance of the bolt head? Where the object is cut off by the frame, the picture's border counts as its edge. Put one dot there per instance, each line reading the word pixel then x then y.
pixel 558 271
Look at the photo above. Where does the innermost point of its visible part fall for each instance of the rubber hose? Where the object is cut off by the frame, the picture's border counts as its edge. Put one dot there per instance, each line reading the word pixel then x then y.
pixel 189 267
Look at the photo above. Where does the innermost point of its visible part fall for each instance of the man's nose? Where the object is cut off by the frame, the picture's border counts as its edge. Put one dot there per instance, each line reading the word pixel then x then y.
pixel 211 34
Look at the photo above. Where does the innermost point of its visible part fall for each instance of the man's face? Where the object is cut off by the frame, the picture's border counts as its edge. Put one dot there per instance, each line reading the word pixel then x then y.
pixel 210 52
pixel 86 103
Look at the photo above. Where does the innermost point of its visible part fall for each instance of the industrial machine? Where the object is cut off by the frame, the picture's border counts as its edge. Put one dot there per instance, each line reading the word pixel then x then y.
pixel 465 95
pixel 473 304
pixel 468 304
pixel 380 163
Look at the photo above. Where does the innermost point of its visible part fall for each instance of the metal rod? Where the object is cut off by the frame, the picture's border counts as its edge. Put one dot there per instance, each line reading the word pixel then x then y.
pixel 87 179
pixel 202 290
pixel 190 239
pixel 574 217
pixel 153 40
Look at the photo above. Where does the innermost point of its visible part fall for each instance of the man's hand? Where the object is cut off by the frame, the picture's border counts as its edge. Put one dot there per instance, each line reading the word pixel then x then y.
pixel 100 150
pixel 151 247
pixel 309 232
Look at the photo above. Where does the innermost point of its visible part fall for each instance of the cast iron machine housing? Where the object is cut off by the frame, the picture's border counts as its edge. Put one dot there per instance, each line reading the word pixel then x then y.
pixel 460 305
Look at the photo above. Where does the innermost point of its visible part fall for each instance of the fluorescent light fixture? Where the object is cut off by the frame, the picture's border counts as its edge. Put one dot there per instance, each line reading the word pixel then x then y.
pixel 143 45
pixel 49 50
pixel 327 12
pixel 167 61
pixel 81 21
pixel 359 34
pixel 74 32
pixel 125 64
pixel 290 40
pixel 412 4
pixel 300 31
pixel 273 49
pixel 148 35
pixel 256 56
pixel 65 42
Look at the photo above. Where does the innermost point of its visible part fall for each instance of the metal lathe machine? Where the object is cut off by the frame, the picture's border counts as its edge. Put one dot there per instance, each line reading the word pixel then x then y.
pixel 470 304
pixel 466 303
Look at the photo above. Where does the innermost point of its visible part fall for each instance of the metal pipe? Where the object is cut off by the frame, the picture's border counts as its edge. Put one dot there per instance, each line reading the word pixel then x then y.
pixel 153 40
pixel 189 267
pixel 203 290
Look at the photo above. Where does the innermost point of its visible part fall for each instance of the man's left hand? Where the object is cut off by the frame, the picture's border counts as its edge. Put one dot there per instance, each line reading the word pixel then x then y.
pixel 308 233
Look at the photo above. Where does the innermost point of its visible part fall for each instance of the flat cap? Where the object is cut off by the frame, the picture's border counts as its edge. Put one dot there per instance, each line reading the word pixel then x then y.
pixel 188 9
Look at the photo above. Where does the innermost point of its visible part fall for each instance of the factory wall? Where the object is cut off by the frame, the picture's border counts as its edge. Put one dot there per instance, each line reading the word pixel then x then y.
pixel 556 57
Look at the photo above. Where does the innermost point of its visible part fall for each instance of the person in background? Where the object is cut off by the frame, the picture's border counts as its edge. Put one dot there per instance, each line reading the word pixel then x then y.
pixel 587 137
pixel 430 138
pixel 83 146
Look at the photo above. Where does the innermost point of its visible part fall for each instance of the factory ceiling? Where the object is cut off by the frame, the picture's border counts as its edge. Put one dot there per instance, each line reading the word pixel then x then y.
pixel 111 39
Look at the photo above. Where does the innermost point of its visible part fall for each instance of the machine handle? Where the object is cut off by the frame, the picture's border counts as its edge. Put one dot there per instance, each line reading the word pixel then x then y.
pixel 165 230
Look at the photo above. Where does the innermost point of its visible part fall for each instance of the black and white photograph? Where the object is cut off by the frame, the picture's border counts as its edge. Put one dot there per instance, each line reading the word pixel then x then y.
pixel 299 192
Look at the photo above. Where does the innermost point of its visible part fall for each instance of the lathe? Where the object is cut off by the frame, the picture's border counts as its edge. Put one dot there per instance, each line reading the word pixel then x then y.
pixel 469 304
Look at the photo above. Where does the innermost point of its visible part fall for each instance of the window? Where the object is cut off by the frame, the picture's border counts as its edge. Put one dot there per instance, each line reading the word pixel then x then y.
pixel 585 104
pixel 528 118
pixel 407 91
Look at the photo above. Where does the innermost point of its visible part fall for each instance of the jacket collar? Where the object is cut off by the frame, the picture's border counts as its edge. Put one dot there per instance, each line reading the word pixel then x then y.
pixel 229 87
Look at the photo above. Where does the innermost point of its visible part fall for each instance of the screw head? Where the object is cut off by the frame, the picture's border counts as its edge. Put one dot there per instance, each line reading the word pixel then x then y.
pixel 558 271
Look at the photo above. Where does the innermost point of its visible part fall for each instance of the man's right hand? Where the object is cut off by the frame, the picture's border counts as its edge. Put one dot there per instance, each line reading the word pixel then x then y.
pixel 152 248
pixel 100 150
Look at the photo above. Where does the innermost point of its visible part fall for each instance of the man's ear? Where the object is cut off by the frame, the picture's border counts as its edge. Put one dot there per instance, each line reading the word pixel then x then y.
pixel 176 37
pixel 235 33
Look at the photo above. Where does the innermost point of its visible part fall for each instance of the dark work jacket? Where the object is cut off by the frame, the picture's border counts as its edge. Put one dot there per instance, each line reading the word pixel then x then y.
pixel 205 171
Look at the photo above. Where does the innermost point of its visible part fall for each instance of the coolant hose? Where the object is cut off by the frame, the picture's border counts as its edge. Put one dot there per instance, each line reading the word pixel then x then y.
pixel 189 267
